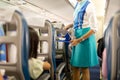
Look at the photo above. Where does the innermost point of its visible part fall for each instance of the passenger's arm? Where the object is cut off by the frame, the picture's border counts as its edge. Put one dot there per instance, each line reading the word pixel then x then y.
pixel 1 78
pixel 46 66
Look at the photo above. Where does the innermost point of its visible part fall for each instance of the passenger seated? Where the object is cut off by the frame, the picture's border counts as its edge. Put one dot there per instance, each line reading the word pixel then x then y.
pixel 36 66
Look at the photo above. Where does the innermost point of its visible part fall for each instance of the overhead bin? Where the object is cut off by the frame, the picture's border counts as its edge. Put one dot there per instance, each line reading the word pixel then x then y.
pixel 63 9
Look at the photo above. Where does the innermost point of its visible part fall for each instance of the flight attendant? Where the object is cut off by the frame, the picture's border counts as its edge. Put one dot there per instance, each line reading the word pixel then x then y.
pixel 84 52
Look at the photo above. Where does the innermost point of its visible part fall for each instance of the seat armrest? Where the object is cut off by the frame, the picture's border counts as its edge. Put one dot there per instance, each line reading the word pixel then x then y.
pixel 45 76
pixel 59 70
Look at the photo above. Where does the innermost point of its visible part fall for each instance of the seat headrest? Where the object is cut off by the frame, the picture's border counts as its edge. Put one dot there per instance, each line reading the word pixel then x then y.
pixel 6 13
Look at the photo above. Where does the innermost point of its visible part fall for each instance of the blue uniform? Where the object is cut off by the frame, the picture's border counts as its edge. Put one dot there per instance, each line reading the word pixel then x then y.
pixel 84 54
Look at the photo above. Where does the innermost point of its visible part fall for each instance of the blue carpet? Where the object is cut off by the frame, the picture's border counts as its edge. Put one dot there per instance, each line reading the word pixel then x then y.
pixel 95 73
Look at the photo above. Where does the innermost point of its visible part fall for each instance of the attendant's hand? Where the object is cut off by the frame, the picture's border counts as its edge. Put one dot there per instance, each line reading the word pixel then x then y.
pixel 74 42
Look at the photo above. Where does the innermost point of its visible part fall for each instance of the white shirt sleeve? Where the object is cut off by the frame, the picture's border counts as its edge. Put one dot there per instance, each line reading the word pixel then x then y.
pixel 91 15
pixel 35 67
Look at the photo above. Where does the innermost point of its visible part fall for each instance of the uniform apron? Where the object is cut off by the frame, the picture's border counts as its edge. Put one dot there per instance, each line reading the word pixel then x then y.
pixel 84 54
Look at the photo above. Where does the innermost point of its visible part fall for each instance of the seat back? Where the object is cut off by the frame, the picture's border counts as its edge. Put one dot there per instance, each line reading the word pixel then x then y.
pixel 115 55
pixel 59 46
pixel 25 48
pixel 62 51
pixel 108 45
pixel 46 50
pixel 112 41
pixel 19 69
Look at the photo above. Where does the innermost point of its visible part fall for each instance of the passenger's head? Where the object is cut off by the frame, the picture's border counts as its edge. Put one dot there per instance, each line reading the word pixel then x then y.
pixel 34 40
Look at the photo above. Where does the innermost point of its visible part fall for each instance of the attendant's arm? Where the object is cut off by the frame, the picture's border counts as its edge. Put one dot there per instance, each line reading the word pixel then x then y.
pixel 68 26
pixel 76 41
pixel 88 34
pixel 92 23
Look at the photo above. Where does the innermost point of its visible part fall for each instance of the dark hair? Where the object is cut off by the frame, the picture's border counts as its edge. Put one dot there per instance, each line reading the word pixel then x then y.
pixel 34 40
pixel 101 46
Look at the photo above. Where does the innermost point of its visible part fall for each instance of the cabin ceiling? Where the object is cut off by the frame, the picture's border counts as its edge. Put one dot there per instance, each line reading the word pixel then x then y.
pixel 60 8
pixel 63 10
